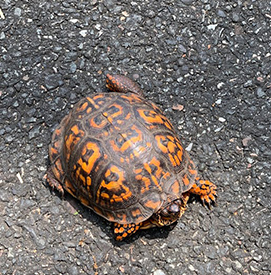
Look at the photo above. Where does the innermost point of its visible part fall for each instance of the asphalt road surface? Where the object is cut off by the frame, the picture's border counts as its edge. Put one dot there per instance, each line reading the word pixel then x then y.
pixel 206 63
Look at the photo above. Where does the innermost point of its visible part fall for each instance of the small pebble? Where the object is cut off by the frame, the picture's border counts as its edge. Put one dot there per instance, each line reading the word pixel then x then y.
pixel 260 93
pixel 159 272
pixel 221 119
pixel 17 11
pixel 189 147
pixel 235 17
pixel 83 33
pixel 221 13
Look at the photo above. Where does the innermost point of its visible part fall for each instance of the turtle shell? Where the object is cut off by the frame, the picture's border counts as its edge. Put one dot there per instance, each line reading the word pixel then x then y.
pixel 119 155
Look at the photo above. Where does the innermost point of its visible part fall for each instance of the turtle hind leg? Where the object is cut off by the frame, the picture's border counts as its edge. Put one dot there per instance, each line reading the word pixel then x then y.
pixel 122 84
pixel 206 190
pixel 53 182
pixel 122 231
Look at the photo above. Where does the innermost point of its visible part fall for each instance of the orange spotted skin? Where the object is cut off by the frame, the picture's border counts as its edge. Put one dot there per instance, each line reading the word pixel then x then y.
pixel 119 155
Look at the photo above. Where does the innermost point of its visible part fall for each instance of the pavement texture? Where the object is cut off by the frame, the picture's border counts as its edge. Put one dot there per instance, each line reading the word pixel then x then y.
pixel 206 63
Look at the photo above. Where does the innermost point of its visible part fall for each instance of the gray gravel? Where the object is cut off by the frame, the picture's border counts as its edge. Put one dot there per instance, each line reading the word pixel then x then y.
pixel 212 57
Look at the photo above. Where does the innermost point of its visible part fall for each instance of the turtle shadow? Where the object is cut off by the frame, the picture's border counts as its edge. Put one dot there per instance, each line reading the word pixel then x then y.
pixel 75 207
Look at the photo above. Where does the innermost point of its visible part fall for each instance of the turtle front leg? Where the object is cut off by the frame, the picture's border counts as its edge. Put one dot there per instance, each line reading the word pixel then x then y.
pixel 124 230
pixel 206 190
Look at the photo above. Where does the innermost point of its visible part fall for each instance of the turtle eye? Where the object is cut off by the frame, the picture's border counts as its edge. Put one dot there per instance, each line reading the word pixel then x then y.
pixel 165 212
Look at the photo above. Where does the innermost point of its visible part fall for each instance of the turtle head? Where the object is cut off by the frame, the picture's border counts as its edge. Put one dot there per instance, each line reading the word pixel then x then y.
pixel 169 214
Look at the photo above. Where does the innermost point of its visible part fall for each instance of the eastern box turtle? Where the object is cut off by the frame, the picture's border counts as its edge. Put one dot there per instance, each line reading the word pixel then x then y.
pixel 119 155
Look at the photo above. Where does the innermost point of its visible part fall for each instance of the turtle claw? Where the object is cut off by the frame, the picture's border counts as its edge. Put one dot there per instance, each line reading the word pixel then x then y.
pixel 53 182
pixel 207 192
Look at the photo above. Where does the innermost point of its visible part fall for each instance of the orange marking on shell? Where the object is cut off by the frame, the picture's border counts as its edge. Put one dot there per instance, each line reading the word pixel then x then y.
pixel 75 130
pixel 92 123
pixel 129 143
pixel 157 163
pixel 131 98
pixel 138 177
pixel 58 170
pixel 177 160
pixel 82 107
pixel 193 172
pixel 93 103
pixel 58 165
pixel 168 124
pixel 152 205
pixel 58 131
pixel 128 116
pixel 147 183
pixel 166 175
pixel 172 160
pixel 155 177
pixel 110 119
pixel 54 151
pixel 175 187
pixel 99 96
pixel 77 172
pixel 186 180
pixel 107 173
pixel 89 181
pixel 114 187
pixel 82 178
pixel 171 147
pixel 180 154
pixel 159 140
pixel 117 113
pixel 136 213
pixel 72 139
pixel 105 195
pixel 138 151
pixel 122 217
pixel 151 116
pixel 87 167
pixel 57 144
pixel 147 167
pixel 138 171
pixel 120 122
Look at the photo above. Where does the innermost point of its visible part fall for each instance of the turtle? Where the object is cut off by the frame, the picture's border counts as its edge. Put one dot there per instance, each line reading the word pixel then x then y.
pixel 118 154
